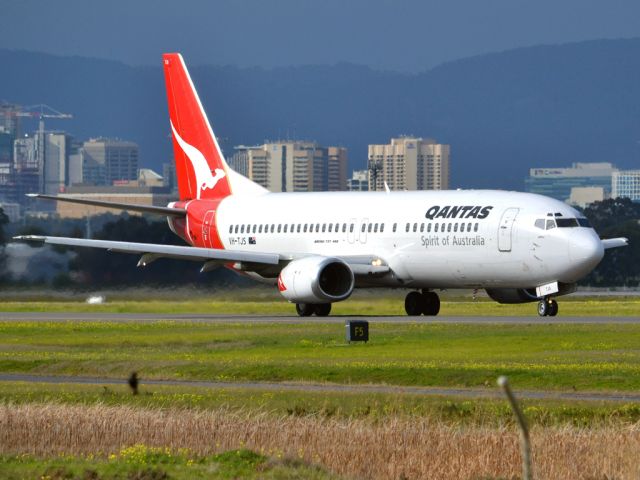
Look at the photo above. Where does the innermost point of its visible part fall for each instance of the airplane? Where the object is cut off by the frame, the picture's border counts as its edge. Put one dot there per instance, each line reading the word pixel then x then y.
pixel 317 247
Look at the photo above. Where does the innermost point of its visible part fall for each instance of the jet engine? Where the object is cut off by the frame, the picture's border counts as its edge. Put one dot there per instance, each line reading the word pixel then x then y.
pixel 524 295
pixel 316 280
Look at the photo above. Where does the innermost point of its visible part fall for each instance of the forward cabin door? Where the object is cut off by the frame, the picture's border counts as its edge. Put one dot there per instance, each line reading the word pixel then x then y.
pixel 505 229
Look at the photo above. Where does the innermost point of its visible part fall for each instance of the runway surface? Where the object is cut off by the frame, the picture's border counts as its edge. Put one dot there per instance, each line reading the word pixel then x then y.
pixel 151 317
pixel 337 388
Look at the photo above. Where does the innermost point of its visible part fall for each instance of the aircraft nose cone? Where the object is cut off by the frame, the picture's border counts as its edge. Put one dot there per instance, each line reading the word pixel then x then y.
pixel 585 249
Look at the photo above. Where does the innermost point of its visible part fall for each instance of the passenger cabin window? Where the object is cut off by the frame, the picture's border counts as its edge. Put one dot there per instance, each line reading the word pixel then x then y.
pixel 408 227
pixel 455 227
pixel 382 228
pixel 475 227
pixel 330 227
pixel 324 227
pixel 415 227
pixel 285 228
pixel 242 229
pixel 231 229
pixel 305 228
pixel 344 228
pixel 364 226
pixel 395 227
pixel 273 227
pixel 435 228
pixel 428 227
pixel 370 227
pixel 468 227
pixel 448 227
pixel 421 227
pixel 352 227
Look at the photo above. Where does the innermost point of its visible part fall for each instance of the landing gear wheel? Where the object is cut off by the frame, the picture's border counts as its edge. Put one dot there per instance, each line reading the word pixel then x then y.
pixel 430 303
pixel 414 304
pixel 543 308
pixel 323 309
pixel 305 309
pixel 553 308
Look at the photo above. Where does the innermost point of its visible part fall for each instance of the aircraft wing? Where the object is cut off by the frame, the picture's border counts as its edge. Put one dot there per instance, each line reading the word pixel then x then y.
pixel 361 265
pixel 153 251
pixel 172 212
pixel 615 242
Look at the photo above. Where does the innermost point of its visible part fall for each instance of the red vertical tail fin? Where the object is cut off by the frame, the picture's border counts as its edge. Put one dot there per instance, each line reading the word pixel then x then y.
pixel 201 169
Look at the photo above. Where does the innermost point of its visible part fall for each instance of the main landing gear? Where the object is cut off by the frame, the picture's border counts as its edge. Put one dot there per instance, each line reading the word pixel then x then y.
pixel 308 309
pixel 547 307
pixel 422 303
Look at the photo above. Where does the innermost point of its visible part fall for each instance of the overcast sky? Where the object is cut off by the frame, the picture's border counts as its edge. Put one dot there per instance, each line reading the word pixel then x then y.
pixel 403 35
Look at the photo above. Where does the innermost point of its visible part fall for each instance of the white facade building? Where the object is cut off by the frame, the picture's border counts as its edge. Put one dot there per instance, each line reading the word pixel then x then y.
pixel 626 183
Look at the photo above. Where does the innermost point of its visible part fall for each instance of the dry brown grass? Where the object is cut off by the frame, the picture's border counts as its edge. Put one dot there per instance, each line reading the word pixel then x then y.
pixel 393 448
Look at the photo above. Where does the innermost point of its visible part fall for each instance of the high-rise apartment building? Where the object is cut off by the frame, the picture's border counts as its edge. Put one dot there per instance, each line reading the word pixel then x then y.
pixel 105 161
pixel 558 182
pixel 293 166
pixel 409 163
pixel 626 183
pixel 55 170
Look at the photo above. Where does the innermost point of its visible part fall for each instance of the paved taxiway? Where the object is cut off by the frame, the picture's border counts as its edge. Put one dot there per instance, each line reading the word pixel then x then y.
pixel 151 317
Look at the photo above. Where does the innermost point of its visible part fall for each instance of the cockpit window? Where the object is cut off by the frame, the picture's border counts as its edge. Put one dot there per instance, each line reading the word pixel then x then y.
pixel 583 222
pixel 540 223
pixel 550 224
pixel 567 222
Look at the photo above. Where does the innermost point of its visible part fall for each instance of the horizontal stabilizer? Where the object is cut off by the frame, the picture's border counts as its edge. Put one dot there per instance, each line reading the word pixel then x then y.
pixel 160 251
pixel 615 242
pixel 168 211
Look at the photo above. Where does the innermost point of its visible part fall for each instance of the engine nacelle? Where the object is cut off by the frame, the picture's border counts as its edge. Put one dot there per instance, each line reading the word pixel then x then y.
pixel 524 295
pixel 316 280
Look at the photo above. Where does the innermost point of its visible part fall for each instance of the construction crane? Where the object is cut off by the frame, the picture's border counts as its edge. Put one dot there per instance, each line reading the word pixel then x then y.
pixel 40 111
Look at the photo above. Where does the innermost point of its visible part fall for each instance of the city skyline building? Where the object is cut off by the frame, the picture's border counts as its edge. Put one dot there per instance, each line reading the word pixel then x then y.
pixel 293 166
pixel 107 160
pixel 409 163
pixel 557 182
pixel 626 184
pixel 359 181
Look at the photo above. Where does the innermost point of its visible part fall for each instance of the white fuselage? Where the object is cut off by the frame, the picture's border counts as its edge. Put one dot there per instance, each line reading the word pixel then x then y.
pixel 484 239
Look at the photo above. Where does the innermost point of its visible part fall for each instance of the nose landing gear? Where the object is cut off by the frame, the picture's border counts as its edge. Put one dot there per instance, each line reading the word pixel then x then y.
pixel 422 303
pixel 547 307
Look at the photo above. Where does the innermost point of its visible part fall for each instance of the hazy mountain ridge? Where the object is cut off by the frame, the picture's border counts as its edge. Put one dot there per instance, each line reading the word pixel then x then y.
pixel 502 113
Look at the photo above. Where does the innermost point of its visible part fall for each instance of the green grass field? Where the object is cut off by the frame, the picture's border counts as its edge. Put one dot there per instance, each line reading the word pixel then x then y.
pixel 534 356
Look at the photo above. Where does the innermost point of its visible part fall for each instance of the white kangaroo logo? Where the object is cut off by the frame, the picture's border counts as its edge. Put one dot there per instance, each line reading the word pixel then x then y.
pixel 204 179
